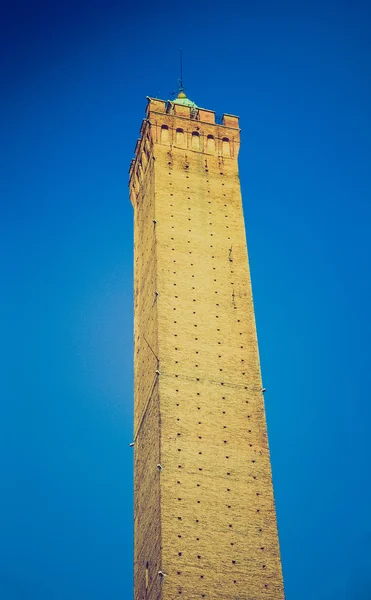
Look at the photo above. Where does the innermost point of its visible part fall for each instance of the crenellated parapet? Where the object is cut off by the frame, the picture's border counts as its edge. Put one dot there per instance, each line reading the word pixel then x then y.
pixel 190 128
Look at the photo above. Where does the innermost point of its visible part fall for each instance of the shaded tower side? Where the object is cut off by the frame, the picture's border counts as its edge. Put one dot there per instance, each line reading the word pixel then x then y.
pixel 147 520
pixel 217 533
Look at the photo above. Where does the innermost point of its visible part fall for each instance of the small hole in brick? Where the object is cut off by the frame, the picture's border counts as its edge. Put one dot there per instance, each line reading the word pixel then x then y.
pixel 179 554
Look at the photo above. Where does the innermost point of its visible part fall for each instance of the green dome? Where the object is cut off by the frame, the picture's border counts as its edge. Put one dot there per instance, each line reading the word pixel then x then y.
pixel 184 101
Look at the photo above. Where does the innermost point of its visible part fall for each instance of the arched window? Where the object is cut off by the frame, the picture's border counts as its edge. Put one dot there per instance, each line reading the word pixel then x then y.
pixel 195 140
pixel 164 133
pixel 210 143
pixel 226 151
pixel 136 184
pixel 180 137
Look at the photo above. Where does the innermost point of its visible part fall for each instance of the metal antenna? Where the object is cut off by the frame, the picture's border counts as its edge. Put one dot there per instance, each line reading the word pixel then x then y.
pixel 181 89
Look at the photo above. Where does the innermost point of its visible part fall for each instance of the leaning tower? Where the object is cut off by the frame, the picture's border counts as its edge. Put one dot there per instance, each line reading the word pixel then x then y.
pixel 205 520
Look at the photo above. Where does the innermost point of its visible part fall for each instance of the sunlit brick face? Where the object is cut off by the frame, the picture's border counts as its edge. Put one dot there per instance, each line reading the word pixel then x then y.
pixel 205 521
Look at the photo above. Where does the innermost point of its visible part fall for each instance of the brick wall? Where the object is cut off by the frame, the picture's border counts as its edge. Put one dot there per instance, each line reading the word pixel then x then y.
pixel 207 518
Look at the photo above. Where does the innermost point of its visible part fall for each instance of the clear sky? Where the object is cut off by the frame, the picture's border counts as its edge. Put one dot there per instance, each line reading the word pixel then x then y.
pixel 75 76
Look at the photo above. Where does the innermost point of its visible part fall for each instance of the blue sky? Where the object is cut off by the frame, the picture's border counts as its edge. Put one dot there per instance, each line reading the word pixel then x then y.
pixel 75 77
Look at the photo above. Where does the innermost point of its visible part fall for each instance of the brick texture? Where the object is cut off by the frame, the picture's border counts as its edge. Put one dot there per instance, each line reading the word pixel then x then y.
pixel 205 522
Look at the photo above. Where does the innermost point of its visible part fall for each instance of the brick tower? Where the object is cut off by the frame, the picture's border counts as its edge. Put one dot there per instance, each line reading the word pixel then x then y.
pixel 205 521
